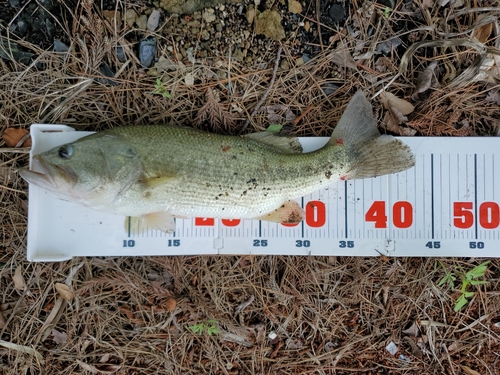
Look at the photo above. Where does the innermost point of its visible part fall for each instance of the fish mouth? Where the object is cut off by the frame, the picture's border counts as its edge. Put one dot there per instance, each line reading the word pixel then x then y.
pixel 51 177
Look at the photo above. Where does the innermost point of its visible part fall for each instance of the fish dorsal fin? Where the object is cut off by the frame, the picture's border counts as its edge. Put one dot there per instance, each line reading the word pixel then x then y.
pixel 287 145
pixel 289 212
pixel 357 124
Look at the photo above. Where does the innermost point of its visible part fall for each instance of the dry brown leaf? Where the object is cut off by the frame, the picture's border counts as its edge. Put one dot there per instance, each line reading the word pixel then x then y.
pixel 170 304
pixel 2 321
pixel 482 33
pixel 407 131
pixel 413 330
pixel 454 347
pixel 59 337
pixel 343 58
pixel 18 279
pixel 390 101
pixel 389 123
pixel 279 114
pixel 424 80
pixel 294 344
pixel 493 96
pixel 469 371
pixel 87 367
pixel 65 291
pixel 12 136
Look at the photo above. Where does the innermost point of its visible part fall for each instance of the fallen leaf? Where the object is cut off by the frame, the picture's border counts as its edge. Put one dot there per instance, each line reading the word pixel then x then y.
pixel 390 100
pixel 493 96
pixel 413 330
pixel 189 79
pixel 424 80
pixel 407 131
pixel 170 304
pixel 65 291
pixel 59 337
pixel 469 371
pixel 389 123
pixel 22 349
pixel 482 33
pixel 343 58
pixel 294 344
pixel 279 114
pixel 18 279
pixel 12 136
pixel 454 347
pixel 87 367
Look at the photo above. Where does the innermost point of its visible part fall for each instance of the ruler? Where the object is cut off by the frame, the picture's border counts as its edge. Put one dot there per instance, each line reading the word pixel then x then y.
pixel 447 205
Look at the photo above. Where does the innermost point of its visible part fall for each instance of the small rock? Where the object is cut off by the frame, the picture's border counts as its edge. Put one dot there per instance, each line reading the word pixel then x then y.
pixel 285 65
pixel 299 61
pixel 238 54
pixel 147 51
pixel 153 20
pixel 250 15
pixel 307 26
pixel 15 3
pixel 336 12
pixel 329 88
pixel 208 15
pixel 142 22
pixel 189 79
pixel 294 6
pixel 130 17
pixel 268 23
pixel 51 29
pixel 22 26
pixel 60 46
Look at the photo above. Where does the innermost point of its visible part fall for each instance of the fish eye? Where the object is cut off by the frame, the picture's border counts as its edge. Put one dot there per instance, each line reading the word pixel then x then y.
pixel 65 151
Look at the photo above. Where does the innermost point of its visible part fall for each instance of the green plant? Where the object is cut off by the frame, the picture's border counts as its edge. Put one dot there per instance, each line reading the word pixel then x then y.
pixel 209 327
pixel 387 12
pixel 274 128
pixel 470 278
pixel 160 89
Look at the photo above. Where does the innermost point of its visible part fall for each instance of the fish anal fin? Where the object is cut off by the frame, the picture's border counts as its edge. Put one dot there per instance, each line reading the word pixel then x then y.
pixel 287 145
pixel 162 221
pixel 289 213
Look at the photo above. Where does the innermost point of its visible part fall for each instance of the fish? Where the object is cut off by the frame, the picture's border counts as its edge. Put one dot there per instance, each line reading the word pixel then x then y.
pixel 157 173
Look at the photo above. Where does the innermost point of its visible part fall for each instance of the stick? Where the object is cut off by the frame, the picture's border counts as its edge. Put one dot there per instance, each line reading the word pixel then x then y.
pixel 264 97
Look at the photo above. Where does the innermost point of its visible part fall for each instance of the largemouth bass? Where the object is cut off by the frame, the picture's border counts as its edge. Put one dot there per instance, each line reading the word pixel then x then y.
pixel 157 173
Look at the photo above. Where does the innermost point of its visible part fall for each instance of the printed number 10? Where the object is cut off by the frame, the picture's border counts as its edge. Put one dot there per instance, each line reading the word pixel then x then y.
pixel 402 214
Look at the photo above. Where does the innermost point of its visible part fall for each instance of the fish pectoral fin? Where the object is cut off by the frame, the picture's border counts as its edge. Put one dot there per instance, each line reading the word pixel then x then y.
pixel 163 221
pixel 289 213
pixel 154 182
pixel 287 145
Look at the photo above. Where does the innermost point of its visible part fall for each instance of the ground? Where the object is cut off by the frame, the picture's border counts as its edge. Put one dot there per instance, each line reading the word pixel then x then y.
pixel 97 65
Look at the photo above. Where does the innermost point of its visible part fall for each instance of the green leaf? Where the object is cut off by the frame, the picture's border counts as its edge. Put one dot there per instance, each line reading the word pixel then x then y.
pixel 198 328
pixel 461 302
pixel 468 294
pixel 478 282
pixel 477 271
pixel 274 128
pixel 212 330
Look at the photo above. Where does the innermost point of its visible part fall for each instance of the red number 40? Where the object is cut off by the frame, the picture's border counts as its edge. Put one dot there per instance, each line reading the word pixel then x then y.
pixel 402 214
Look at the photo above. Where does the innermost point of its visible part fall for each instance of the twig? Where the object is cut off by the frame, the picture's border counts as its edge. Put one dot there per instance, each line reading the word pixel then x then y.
pixel 244 304
pixel 264 97
pixel 318 23
pixel 23 139
pixel 301 116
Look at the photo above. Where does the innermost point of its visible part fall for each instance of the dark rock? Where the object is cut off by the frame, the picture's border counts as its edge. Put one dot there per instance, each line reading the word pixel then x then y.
pixel 15 3
pixel 60 46
pixel 147 51
pixel 51 29
pixel 336 12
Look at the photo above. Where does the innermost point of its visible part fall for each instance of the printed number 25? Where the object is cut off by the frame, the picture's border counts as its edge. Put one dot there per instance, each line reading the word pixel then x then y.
pixel 262 243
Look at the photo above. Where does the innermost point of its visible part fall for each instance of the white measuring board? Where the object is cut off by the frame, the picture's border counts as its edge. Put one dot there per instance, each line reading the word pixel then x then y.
pixel 447 205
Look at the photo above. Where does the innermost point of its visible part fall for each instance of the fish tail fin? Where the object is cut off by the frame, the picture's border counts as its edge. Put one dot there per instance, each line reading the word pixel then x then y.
pixel 372 154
